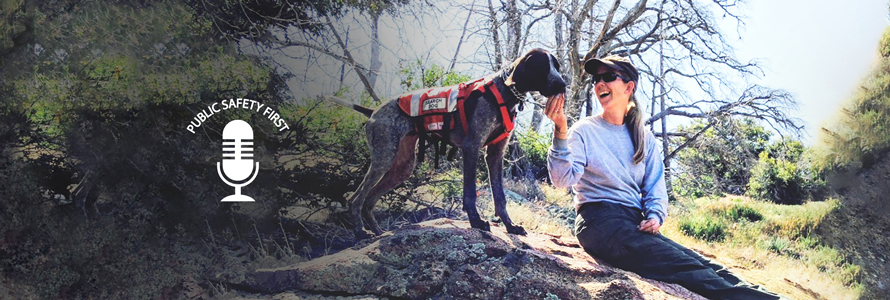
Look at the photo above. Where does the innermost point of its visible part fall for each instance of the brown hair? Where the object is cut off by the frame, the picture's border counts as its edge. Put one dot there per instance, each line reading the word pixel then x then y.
pixel 634 122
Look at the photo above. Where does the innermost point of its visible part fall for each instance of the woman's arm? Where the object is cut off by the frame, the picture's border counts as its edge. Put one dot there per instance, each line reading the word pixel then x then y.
pixel 562 163
pixel 566 160
pixel 652 189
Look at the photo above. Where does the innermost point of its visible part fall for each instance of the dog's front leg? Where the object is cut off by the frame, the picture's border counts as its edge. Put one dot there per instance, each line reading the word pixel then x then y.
pixel 494 157
pixel 471 156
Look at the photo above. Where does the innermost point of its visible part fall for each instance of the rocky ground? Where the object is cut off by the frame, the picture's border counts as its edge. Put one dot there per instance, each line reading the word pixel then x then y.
pixel 446 259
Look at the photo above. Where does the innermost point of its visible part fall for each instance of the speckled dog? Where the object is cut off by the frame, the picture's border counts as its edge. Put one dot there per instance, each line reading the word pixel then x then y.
pixel 392 140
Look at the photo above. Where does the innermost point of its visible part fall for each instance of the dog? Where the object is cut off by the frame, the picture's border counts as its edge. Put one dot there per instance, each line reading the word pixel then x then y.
pixel 392 139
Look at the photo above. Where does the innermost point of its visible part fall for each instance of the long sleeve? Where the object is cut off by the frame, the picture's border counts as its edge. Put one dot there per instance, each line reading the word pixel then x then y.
pixel 596 161
pixel 566 160
pixel 652 189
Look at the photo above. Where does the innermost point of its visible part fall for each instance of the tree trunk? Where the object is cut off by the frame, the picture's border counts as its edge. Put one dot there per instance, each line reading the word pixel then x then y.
pixel 560 42
pixel 493 18
pixel 514 29
pixel 666 138
pixel 537 115
pixel 375 49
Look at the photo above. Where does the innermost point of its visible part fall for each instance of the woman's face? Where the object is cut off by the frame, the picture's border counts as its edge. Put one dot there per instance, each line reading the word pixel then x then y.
pixel 615 95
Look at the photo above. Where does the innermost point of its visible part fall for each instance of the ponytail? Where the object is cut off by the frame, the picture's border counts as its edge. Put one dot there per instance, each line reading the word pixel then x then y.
pixel 634 121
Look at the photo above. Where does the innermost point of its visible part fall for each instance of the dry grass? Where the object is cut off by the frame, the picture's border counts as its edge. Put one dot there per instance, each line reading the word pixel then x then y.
pixel 550 212
pixel 776 251
pixel 766 244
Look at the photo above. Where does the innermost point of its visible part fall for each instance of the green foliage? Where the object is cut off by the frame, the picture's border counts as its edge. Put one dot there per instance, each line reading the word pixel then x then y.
pixel 534 147
pixel 884 43
pixel 704 227
pixel 781 246
pixel 100 101
pixel 254 18
pixel 11 26
pixel 783 177
pixel 856 137
pixel 720 160
pixel 417 75
pixel 786 230
pixel 691 185
pixel 738 212
pixel 736 157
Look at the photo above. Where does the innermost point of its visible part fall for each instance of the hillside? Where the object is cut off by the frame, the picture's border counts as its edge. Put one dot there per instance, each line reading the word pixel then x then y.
pixel 854 152
pixel 859 227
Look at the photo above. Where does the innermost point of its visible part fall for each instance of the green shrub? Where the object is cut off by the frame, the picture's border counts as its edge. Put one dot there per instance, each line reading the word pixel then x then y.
pixel 532 160
pixel 739 212
pixel 784 175
pixel 704 227
pixel 855 137
pixel 720 160
pixel 688 185
pixel 782 246
pixel 777 180
pixel 884 44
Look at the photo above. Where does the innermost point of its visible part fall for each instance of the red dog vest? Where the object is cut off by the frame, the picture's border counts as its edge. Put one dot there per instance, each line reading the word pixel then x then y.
pixel 432 106
pixel 435 106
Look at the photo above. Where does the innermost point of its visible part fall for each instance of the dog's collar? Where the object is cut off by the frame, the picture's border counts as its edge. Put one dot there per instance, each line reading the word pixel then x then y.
pixel 520 97
pixel 516 93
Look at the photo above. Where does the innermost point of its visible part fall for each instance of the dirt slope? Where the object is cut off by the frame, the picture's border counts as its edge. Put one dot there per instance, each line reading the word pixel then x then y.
pixel 861 227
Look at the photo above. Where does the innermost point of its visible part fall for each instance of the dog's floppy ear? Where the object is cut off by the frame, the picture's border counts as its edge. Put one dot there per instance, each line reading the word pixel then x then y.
pixel 516 64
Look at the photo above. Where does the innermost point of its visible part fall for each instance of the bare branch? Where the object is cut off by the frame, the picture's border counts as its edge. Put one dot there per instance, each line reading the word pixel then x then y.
pixel 358 71
pixel 688 142
pixel 461 40
pixel 602 36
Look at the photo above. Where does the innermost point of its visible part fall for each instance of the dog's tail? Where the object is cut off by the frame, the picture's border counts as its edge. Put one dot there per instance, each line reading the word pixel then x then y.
pixel 364 110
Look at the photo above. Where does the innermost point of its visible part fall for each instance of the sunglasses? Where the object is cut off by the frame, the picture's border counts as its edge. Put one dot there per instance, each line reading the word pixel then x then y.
pixel 607 77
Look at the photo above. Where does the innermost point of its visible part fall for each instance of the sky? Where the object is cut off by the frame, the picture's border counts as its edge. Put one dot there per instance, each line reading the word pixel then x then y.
pixel 819 51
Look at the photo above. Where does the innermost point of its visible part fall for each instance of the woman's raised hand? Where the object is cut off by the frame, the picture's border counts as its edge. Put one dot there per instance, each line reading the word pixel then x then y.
pixel 555 112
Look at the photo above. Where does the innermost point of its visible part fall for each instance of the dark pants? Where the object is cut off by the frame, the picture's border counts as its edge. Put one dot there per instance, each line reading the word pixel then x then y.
pixel 609 232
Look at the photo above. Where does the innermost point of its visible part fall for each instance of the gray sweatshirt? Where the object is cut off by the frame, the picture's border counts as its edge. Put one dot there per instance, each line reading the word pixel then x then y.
pixel 597 162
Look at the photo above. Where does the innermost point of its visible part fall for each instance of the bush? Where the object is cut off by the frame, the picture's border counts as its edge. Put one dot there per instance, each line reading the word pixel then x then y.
pixel 776 180
pixel 532 151
pixel 783 176
pixel 720 160
pixel 884 44
pixel 855 138
pixel 689 185
pixel 782 246
pixel 704 227
pixel 739 212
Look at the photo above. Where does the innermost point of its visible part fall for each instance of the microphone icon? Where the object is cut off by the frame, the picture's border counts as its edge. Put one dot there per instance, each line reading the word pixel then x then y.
pixel 237 161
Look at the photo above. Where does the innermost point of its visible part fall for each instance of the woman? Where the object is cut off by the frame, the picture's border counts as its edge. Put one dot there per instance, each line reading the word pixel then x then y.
pixel 616 171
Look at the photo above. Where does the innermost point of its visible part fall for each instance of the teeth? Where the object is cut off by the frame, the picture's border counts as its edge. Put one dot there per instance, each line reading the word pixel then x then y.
pixel 604 94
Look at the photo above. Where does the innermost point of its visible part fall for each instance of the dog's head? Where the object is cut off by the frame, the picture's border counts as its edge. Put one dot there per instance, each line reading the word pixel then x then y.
pixel 537 70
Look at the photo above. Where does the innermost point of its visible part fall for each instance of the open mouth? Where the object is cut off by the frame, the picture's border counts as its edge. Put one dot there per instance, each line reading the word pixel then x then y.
pixel 604 94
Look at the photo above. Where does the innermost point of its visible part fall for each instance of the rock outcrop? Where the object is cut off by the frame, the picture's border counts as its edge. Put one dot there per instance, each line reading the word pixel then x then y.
pixel 446 259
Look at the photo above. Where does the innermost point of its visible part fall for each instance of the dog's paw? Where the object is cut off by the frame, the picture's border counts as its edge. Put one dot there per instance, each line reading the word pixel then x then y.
pixel 481 225
pixel 517 230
